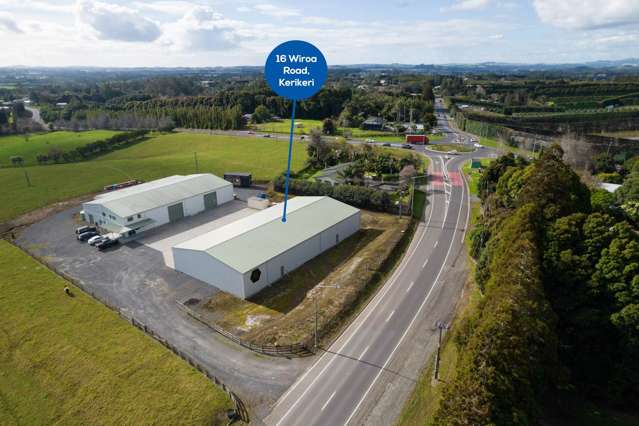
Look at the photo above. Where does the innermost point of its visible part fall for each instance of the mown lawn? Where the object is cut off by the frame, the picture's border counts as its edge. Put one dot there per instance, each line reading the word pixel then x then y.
pixel 70 360
pixel 29 146
pixel 159 156
pixel 450 147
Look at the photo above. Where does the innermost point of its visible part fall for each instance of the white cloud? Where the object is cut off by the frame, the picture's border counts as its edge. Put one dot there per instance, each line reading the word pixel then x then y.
pixel 587 14
pixel 469 4
pixel 275 11
pixel 203 29
pixel 168 7
pixel 113 22
pixel 8 23
pixel 38 6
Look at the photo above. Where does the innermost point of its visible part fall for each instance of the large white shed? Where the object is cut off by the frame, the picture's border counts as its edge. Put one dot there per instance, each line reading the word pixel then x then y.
pixel 251 253
pixel 135 209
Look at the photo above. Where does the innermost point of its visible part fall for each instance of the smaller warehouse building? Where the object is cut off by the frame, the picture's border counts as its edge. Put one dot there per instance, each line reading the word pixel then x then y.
pixel 249 254
pixel 136 209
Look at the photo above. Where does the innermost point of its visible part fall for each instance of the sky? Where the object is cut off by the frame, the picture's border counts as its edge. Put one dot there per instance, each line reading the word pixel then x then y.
pixel 197 33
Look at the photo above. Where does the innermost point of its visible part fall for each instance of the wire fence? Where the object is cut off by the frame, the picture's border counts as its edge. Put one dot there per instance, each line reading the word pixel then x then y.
pixel 240 407
pixel 293 350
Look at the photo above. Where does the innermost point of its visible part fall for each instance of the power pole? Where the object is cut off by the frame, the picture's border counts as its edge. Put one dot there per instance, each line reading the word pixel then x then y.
pixel 316 321
pixel 441 326
pixel 197 167
pixel 26 176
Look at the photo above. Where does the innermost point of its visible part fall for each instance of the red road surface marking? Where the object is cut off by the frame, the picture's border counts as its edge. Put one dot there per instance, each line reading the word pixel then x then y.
pixel 455 179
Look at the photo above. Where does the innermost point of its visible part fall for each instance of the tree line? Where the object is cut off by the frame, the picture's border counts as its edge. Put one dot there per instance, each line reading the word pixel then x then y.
pixel 559 319
pixel 357 196
pixel 93 149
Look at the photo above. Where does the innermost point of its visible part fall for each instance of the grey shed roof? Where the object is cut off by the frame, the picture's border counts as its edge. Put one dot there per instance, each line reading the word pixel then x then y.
pixel 253 240
pixel 162 192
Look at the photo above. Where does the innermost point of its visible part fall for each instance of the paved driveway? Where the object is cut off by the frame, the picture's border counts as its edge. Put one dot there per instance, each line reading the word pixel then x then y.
pixel 165 237
pixel 135 278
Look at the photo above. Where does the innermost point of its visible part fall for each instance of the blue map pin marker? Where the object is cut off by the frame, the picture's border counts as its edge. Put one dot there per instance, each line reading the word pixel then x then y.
pixel 295 70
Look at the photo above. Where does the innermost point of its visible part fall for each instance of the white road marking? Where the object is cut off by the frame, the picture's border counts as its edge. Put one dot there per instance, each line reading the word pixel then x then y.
pixel 371 308
pixel 410 285
pixel 410 325
pixel 328 400
pixel 391 314
pixel 425 263
pixel 436 242
pixel 364 352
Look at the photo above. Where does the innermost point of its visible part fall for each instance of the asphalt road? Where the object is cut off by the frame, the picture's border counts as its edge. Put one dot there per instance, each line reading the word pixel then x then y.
pixel 342 387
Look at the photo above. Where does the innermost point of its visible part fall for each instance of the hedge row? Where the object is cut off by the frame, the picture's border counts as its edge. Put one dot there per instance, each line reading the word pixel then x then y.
pixel 93 149
pixel 357 196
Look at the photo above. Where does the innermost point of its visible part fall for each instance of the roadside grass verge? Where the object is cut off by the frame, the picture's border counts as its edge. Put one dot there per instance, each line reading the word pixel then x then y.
pixel 504 148
pixel 283 313
pixel 474 175
pixel 71 360
pixel 159 156
pixel 29 146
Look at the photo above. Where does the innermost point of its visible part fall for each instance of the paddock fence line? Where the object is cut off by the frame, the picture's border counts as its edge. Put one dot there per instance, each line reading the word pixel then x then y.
pixel 240 407
pixel 293 350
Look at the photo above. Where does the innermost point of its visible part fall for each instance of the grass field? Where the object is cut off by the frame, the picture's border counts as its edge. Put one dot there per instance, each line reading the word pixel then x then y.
pixel 283 313
pixel 506 148
pixel 70 360
pixel 159 156
pixel 41 143
pixel 304 126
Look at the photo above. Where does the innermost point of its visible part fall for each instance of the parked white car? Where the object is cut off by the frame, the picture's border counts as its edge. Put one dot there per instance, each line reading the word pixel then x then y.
pixel 94 240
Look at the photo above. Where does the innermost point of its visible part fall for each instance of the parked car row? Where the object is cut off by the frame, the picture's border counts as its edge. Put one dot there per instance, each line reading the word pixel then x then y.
pixel 91 235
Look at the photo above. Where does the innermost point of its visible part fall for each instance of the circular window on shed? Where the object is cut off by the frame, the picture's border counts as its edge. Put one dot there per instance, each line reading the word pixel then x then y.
pixel 255 275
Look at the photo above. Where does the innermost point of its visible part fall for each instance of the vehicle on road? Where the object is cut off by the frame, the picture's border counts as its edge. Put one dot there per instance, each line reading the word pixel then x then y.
pixel 95 240
pixel 86 235
pixel 250 132
pixel 407 146
pixel 370 140
pixel 386 144
pixel 84 229
pixel 476 145
pixel 266 135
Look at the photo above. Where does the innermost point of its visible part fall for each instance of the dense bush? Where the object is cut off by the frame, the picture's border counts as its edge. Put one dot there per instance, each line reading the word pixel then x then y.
pixel 508 358
pixel 561 305
pixel 357 196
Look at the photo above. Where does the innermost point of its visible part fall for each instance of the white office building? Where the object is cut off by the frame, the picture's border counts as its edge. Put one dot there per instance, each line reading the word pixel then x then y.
pixel 130 211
